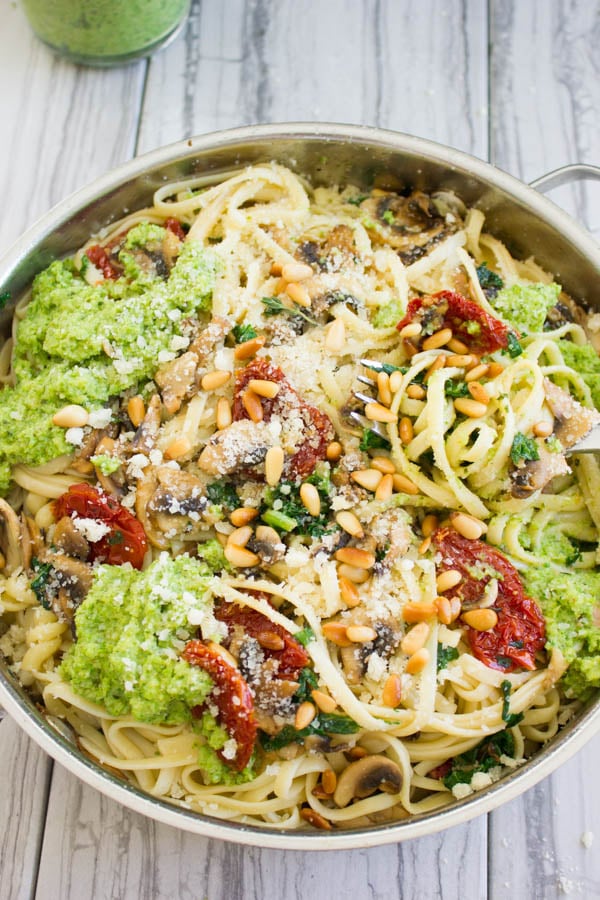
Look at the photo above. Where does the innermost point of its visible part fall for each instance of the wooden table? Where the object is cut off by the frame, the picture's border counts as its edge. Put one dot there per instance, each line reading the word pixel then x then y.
pixel 517 83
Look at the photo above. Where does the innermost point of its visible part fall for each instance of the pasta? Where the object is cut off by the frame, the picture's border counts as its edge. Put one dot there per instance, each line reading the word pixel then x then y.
pixel 343 553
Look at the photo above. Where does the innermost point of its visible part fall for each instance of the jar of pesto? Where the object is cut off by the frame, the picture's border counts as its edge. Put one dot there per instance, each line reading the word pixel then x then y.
pixel 105 32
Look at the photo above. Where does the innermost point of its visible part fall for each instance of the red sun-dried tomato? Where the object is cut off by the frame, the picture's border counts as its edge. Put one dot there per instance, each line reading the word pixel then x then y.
pixel 291 658
pixel 125 542
pixel 317 431
pixel 232 697
pixel 470 323
pixel 176 227
pixel 98 256
pixel 520 632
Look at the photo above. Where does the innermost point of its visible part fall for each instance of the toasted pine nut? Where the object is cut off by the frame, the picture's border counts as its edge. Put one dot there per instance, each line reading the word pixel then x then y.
pixel 367 478
pixel 354 556
pixel 455 607
pixel 296 271
pixel 429 525
pixel 71 416
pixel 378 413
pixel 437 340
pixel 404 485
pixel 314 818
pixel 470 527
pixel 495 369
pixel 414 639
pixel 216 379
pixel 438 363
pixel 480 619
pixel 336 633
pixel 348 592
pixel 395 381
pixel 252 405
pixel 385 488
pixel 418 612
pixel 304 715
pixel 406 430
pixel 409 349
pixel 276 268
pixel 240 556
pixel 447 580
pixel 471 408
pixel 383 464
pixel 424 545
pixel 240 536
pixel 417 662
pixel 310 499
pixel 475 361
pixel 249 348
pixel 274 461
pixel 411 330
pixel 242 516
pixel 357 752
pixel 222 538
pixel 415 392
pixel 392 691
pixel 224 417
pixel 360 634
pixel 353 574
pixel 136 410
pixel 542 429
pixel 263 388
pixel 459 359
pixel 383 388
pixel 476 373
pixel 478 392
pixel 335 338
pixel 444 610
pixel 178 448
pixel 329 781
pixel 325 703
pixel 270 640
pixel 334 451
pixel 350 523
pixel 298 293
pixel 457 346
pixel 223 652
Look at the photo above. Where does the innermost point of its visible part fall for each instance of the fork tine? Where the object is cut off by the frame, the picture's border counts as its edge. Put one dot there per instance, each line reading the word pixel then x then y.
pixel 364 379
pixel 363 422
pixel 364 398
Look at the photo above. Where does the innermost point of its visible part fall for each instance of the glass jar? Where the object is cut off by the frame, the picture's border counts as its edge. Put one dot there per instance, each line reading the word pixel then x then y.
pixel 105 32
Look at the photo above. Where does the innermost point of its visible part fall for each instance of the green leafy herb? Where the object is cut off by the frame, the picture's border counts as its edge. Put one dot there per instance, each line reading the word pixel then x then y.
pixel 4 298
pixel 389 217
pixel 513 346
pixel 485 756
pixel 489 281
pixel 371 440
pixel 356 201
pixel 323 724
pixel 511 719
pixel 222 493
pixel 307 682
pixel 523 448
pixel 286 511
pixel 242 333
pixel 575 556
pixel 305 636
pixel 445 655
pixel 39 584
pixel 274 307
pixel 455 388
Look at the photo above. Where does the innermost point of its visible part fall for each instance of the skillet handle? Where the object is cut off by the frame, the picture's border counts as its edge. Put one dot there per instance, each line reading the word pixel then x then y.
pixel 566 175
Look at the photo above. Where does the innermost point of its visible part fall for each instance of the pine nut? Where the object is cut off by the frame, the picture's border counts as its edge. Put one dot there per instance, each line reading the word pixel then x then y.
pixel 437 340
pixel 475 361
pixel 457 346
pixel 213 380
pixel 478 392
pixel 252 405
pixel 335 338
pixel 314 818
pixel 476 373
pixel 417 662
pixel 415 392
pixel 334 451
pixel 480 619
pixel 298 293
pixel 378 413
pixel 240 536
pixel 276 269
pixel 354 556
pixel 406 430
pixel 360 634
pixel 336 633
pixel 325 703
pixel 424 545
pixel 495 369
pixel 249 348
pixel 404 485
pixel 385 488
pixel 444 610
pixel 411 330
pixel 356 576
pixel 329 781
pixel 296 271
pixel 310 499
pixel 471 408
pixel 470 527
pixel 350 523
pixel 448 580
pixel 438 363
pixel 270 640
pixel 543 429
pixel 223 653
pixel 274 462
pixel 178 448
pixel 71 416
pixel 367 478
pixel 224 416
pixel 409 349
pixel 396 381
pixel 414 639
pixel 383 464
pixel 222 538
pixel 455 607
pixel 304 715
pixel 105 446
pixel 357 753
pixel 418 612
pixel 429 525
pixel 243 515
pixel 263 388
pixel 383 388
pixel 136 410
pixel 348 592
pixel 461 360
pixel 240 557
pixel 392 691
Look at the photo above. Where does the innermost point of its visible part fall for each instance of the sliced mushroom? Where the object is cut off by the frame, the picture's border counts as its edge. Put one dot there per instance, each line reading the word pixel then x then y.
pixel 145 435
pixel 10 538
pixel 267 544
pixel 366 776
pixel 67 585
pixel 353 663
pixel 572 421
pixel 242 444
pixel 209 337
pixel 535 474
pixel 176 380
pixel 410 225
pixel 69 540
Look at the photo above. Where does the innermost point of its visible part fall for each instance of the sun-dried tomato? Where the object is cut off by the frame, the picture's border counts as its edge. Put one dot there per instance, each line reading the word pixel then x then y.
pixel 232 697
pixel 176 227
pixel 470 323
pixel 126 541
pixel 520 632
pixel 98 256
pixel 291 658
pixel 317 431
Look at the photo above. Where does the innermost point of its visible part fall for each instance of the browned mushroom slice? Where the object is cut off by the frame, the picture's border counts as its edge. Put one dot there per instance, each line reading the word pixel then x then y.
pixel 242 444
pixel 209 337
pixel 267 544
pixel 145 436
pixel 535 475
pixel 178 493
pixel 176 380
pixel 366 776
pixel 146 489
pixel 410 225
pixel 68 584
pixel 69 540
pixel 10 538
pixel 572 421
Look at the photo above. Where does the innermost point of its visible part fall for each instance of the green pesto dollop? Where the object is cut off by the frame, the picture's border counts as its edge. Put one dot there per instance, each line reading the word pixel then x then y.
pixel 584 359
pixel 526 306
pixel 130 629
pixel 214 770
pixel 390 314
pixel 570 604
pixel 60 354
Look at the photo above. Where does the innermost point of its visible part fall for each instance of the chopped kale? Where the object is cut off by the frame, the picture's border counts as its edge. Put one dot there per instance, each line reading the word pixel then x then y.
pixel 511 719
pixel 305 635
pixel 274 307
pixel 323 724
pixel 489 281
pixel 39 584
pixel 513 346
pixel 284 509
pixel 485 756
pixel 307 682
pixel 455 388
pixel 371 440
pixel 243 333
pixel 445 655
pixel 222 493
pixel 523 448
pixel 356 201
